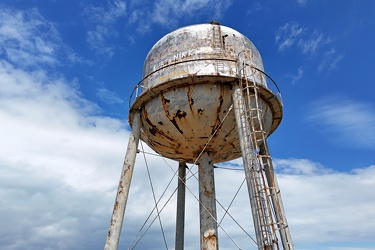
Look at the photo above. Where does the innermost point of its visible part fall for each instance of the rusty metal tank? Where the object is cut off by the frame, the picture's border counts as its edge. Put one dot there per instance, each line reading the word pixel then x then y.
pixel 185 96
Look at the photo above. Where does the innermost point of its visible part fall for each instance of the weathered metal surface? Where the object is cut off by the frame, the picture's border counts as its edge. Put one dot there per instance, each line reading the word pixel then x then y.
pixel 247 150
pixel 117 218
pixel 186 94
pixel 207 204
pixel 178 123
pixel 180 216
pixel 192 79
pixel 204 49
pixel 278 206
pixel 265 199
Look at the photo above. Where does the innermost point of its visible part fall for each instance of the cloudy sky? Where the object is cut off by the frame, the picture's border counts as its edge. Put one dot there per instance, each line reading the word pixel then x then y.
pixel 67 69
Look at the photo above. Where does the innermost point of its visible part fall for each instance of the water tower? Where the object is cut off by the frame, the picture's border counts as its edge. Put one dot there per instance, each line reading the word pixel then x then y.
pixel 204 99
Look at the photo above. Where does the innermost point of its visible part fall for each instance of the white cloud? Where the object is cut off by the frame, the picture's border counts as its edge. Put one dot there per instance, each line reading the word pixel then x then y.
pixel 298 76
pixel 309 42
pixel 60 163
pixel 168 13
pixel 294 34
pixel 328 202
pixel 257 6
pixel 300 167
pixel 50 116
pixel 104 19
pixel 28 40
pixel 321 206
pixel 347 121
pixel 295 77
pixel 288 34
pixel 330 60
pixel 67 164
pixel 302 3
pixel 19 42
pixel 56 162
pixel 108 96
pixel 57 152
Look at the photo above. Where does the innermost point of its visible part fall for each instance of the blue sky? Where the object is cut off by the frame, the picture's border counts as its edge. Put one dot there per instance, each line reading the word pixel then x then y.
pixel 67 69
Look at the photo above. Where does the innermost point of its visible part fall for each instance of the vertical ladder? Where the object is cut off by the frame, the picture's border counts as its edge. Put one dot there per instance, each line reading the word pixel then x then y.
pixel 217 44
pixel 277 219
pixel 216 36
pixel 259 135
pixel 248 117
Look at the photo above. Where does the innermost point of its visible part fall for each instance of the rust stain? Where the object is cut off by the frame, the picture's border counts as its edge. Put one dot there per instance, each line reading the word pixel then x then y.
pixel 173 120
pixel 127 167
pixel 211 237
pixel 190 98
pixel 162 134
pixel 153 131
pixel 121 187
pixel 207 193
pixel 177 149
pixel 117 206
pixel 152 127
pixel 165 105
pixel 210 241
pixel 180 114
pixel 218 110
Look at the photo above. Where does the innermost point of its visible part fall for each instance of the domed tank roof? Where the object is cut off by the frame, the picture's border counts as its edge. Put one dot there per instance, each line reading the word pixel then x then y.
pixel 186 96
pixel 200 50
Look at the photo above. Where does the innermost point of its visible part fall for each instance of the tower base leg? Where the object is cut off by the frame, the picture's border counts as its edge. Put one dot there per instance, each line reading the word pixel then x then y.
pixel 207 204
pixel 115 226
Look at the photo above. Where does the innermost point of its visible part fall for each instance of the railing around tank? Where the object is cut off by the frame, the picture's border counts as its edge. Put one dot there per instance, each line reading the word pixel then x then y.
pixel 278 93
pixel 139 88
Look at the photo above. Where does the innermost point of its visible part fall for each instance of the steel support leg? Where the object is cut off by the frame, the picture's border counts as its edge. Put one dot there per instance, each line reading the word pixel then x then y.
pixel 207 204
pixel 123 187
pixel 246 145
pixel 277 203
pixel 180 217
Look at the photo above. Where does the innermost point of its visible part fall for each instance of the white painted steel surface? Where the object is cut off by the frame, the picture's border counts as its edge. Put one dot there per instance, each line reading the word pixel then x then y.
pixel 199 50
pixel 187 88
pixel 207 204
pixel 180 215
pixel 193 79
pixel 117 218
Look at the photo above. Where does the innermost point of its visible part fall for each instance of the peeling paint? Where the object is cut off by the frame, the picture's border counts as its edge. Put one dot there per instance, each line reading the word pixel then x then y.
pixel 190 98
pixel 126 169
pixel 180 114
pixel 116 206
pixel 187 93
pixel 215 127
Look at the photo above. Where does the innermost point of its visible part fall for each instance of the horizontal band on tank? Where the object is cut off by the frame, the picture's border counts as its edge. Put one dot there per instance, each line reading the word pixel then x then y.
pixel 143 87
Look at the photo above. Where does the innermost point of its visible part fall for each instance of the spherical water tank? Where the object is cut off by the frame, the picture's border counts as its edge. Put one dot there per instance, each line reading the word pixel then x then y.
pixel 186 97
